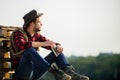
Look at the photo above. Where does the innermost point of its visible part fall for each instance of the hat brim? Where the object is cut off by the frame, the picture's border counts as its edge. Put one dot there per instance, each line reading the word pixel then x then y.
pixel 38 15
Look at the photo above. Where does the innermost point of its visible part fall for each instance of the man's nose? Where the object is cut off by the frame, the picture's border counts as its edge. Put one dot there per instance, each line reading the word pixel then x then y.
pixel 40 24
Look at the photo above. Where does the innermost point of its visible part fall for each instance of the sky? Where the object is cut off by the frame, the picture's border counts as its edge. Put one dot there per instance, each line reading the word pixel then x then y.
pixel 83 27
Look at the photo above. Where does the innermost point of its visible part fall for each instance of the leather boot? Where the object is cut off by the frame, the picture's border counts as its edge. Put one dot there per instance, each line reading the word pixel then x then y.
pixel 74 75
pixel 58 73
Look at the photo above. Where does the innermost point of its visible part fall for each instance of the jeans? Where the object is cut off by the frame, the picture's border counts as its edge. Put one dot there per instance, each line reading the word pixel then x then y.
pixel 32 66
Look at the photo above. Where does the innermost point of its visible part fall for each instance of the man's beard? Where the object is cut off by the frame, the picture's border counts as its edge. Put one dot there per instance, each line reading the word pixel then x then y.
pixel 37 29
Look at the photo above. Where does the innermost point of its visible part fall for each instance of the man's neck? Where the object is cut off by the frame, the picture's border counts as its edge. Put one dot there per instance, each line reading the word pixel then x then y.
pixel 31 32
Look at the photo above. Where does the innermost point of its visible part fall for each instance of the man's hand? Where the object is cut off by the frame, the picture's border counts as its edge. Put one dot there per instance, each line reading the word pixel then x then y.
pixel 49 43
pixel 59 48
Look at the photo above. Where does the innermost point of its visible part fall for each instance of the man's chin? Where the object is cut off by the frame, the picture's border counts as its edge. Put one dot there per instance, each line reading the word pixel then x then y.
pixel 38 30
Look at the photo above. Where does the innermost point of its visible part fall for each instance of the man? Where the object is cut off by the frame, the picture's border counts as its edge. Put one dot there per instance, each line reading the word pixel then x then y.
pixel 28 64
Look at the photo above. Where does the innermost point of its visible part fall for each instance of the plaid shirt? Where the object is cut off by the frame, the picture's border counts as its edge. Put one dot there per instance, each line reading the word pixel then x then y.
pixel 21 44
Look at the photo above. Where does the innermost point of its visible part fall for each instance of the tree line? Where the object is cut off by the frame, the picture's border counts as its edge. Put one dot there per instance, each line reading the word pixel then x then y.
pixel 101 67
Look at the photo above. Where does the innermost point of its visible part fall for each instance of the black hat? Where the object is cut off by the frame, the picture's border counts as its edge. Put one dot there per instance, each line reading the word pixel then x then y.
pixel 30 16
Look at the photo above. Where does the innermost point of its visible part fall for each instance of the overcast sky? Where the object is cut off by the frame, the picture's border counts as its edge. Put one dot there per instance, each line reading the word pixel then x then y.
pixel 83 27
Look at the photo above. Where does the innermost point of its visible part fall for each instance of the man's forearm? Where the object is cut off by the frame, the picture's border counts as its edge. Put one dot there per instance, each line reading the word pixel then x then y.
pixel 37 44
pixel 43 44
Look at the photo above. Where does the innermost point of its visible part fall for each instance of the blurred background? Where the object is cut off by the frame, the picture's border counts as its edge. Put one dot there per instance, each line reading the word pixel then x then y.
pixel 102 67
pixel 87 29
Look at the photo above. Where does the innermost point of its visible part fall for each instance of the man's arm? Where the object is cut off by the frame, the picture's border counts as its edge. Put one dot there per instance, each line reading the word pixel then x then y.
pixel 47 44
pixel 43 44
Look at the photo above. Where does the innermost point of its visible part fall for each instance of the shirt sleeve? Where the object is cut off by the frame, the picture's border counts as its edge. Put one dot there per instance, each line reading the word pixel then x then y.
pixel 20 41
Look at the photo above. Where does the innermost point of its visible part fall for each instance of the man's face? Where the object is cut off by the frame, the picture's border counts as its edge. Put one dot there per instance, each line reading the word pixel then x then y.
pixel 38 24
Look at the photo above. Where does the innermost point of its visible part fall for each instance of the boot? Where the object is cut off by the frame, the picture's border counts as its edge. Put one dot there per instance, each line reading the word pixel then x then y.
pixel 74 75
pixel 58 73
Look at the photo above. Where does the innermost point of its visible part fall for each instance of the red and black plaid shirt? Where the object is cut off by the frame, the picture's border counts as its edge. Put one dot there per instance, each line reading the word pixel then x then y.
pixel 21 44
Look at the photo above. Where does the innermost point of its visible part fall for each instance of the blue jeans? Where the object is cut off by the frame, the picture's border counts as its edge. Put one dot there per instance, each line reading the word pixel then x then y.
pixel 32 66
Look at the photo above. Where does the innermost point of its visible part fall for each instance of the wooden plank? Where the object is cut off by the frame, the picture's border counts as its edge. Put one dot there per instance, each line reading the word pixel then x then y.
pixel 5 31
pixel 5 60
pixel 4 39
